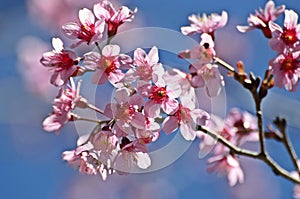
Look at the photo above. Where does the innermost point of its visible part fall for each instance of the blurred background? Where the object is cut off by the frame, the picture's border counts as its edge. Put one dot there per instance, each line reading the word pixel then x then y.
pixel 31 165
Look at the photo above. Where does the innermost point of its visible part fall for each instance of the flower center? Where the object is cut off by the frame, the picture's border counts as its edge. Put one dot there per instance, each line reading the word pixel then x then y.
pixel 183 114
pixel 110 66
pixel 65 62
pixel 289 36
pixel 158 94
pixel 87 32
pixel 289 63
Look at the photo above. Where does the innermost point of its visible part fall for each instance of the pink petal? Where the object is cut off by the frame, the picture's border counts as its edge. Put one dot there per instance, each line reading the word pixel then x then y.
pixel 153 56
pixel 188 30
pixel 143 160
pixel 291 19
pixel 122 95
pixel 170 106
pixel 86 17
pixel 101 12
pixel 116 76
pixel 91 60
pixel 57 44
pixel 71 30
pixel 139 56
pixel 99 77
pixel 136 100
pixel 138 120
pixel 245 28
pixel 170 124
pixel 187 132
pixel 110 110
pixel 111 50
pixel 151 109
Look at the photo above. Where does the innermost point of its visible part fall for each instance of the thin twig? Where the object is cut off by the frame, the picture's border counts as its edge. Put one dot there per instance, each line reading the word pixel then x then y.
pixel 98 47
pixel 229 145
pixel 243 152
pixel 95 109
pixel 259 122
pixel 288 145
pixel 89 120
pixel 224 64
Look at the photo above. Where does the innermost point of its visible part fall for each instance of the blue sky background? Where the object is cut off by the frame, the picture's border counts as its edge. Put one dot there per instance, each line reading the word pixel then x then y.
pixel 31 165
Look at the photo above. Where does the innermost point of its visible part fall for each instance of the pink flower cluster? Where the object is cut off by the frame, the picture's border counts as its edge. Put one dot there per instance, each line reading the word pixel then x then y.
pixel 238 128
pixel 284 40
pixel 286 66
pixel 204 72
pixel 120 142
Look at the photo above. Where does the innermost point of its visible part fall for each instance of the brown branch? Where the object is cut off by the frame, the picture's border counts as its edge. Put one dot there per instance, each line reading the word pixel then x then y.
pixel 259 122
pixel 281 125
pixel 233 149
pixel 251 85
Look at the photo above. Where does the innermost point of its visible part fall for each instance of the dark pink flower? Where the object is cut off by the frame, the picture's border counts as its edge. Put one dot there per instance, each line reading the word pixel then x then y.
pixel 113 18
pixel 87 30
pixel 261 19
pixel 288 37
pixel 286 70
pixel 63 63
pixel 107 65
pixel 227 165
pixel 205 24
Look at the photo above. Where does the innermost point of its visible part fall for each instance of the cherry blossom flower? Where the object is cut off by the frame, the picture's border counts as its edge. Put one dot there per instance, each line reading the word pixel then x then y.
pixel 90 160
pixel 66 100
pixel 187 120
pixel 187 95
pixel 228 165
pixel 203 72
pixel 131 153
pixel 204 52
pixel 87 30
pixel 289 36
pixel 113 18
pixel 242 126
pixel 126 112
pixel 286 70
pixel 150 133
pixel 207 75
pixel 147 67
pixel 205 24
pixel 107 65
pixel 81 158
pixel 261 18
pixel 160 96
pixel 61 62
